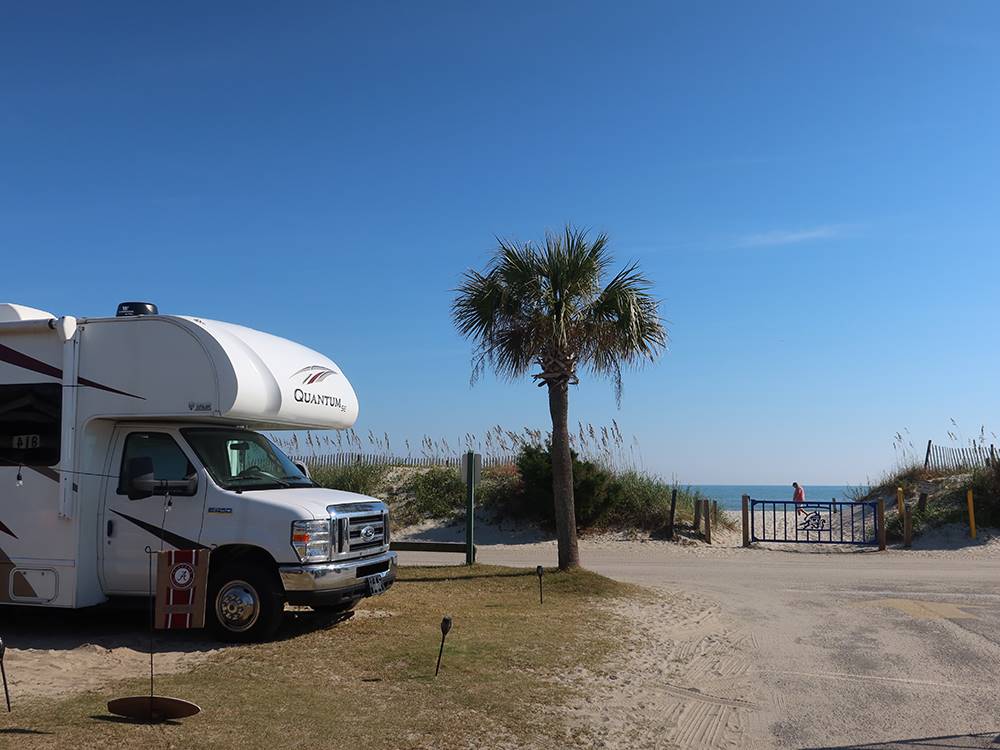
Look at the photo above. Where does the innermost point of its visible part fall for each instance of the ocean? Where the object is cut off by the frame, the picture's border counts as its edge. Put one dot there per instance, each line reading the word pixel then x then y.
pixel 729 495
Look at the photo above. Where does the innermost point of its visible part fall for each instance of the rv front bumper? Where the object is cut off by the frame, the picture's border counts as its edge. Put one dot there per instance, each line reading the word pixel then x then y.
pixel 336 582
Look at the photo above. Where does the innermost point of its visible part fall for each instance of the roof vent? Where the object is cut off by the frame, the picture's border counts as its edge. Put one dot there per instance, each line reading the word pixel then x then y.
pixel 135 309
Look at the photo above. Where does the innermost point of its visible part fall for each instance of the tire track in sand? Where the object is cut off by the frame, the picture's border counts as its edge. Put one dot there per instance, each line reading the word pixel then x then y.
pixel 684 679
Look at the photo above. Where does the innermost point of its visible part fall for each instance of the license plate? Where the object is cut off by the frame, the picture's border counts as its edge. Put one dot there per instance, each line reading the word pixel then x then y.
pixel 376 585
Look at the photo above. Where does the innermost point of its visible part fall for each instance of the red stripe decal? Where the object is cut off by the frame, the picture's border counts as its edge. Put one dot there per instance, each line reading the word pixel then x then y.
pixel 16 358
pixel 109 389
pixel 19 359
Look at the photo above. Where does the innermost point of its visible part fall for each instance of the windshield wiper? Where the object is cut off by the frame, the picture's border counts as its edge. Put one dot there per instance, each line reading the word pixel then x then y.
pixel 269 475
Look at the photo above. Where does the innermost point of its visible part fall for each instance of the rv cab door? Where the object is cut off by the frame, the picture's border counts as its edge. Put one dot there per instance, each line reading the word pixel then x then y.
pixel 157 522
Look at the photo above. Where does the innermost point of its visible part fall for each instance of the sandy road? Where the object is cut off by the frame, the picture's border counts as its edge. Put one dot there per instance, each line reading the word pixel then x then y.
pixel 894 649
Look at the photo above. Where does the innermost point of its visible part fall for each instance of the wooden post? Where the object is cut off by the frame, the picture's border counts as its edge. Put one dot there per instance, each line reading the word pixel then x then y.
pixel 708 522
pixel 972 514
pixel 922 502
pixel 673 508
pixel 899 501
pixel 907 526
pixel 927 458
pixel 715 512
pixel 470 508
pixel 697 515
pixel 745 501
pixel 880 520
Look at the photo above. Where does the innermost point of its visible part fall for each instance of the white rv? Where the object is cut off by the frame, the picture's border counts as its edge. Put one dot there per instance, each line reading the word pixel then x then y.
pixel 141 432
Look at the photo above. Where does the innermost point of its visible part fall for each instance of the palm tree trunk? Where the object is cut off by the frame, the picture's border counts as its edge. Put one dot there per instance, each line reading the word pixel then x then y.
pixel 562 476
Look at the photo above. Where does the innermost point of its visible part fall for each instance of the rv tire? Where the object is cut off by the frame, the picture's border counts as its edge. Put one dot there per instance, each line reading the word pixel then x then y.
pixel 245 603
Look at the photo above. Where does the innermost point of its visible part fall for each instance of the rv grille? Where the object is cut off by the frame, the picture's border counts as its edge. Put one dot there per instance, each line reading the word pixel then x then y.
pixel 360 529
pixel 366 532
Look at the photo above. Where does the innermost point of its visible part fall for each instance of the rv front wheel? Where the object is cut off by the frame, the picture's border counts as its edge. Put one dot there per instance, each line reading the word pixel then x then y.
pixel 244 604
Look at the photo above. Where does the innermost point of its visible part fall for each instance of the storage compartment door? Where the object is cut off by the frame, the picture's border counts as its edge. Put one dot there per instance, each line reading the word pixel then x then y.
pixel 33 585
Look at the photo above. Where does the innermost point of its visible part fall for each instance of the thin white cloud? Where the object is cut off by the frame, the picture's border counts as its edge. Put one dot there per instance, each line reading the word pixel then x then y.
pixel 785 237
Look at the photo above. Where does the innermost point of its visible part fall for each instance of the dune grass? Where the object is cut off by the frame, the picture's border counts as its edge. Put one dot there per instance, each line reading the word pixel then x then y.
pixel 368 681
pixel 946 496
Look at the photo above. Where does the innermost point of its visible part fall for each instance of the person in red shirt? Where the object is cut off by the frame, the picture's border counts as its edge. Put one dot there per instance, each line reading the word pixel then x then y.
pixel 799 497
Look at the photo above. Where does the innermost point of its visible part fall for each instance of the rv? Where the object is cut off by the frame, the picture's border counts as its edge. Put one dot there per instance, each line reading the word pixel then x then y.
pixel 122 436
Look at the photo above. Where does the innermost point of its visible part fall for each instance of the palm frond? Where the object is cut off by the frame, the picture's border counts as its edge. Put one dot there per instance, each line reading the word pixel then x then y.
pixel 547 305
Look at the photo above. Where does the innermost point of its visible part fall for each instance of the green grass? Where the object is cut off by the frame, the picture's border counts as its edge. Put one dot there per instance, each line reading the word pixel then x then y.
pixel 369 681
pixel 907 477
pixel 946 503
pixel 365 479
pixel 438 492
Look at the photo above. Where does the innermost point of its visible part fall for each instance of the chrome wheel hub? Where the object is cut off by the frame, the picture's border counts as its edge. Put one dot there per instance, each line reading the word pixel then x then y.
pixel 237 606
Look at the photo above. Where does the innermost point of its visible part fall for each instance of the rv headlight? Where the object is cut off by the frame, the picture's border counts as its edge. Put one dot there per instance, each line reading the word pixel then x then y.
pixel 311 540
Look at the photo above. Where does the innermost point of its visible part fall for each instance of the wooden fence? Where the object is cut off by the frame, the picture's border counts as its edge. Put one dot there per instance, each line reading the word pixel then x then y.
pixel 381 459
pixel 946 458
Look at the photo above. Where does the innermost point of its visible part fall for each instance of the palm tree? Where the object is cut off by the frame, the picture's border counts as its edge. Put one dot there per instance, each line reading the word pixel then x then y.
pixel 548 306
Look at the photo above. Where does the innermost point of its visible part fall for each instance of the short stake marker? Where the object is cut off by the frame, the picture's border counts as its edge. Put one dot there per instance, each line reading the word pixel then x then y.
pixel 3 671
pixel 445 627
pixel 540 571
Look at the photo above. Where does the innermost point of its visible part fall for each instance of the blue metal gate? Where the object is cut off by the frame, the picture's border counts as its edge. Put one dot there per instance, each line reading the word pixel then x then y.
pixel 814 523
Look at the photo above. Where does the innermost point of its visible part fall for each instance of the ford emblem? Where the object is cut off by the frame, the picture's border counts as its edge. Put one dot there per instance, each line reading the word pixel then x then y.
pixel 368 533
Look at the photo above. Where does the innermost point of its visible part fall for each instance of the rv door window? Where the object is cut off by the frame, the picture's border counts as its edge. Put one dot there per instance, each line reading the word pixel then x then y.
pixel 169 461
pixel 30 423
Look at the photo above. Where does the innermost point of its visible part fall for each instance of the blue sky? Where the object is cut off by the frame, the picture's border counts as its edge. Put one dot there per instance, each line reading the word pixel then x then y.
pixel 814 188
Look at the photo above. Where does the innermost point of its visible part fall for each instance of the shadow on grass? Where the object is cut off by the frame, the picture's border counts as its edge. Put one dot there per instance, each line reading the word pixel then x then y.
pixel 458 576
pixel 112 719
pixel 297 623
pixel 111 627
pixel 17 730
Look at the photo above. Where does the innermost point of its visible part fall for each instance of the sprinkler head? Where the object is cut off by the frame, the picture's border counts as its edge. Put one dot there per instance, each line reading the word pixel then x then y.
pixel 445 626
pixel 539 571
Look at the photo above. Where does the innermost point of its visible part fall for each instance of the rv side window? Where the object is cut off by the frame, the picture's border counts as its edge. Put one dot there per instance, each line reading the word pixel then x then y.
pixel 169 461
pixel 30 424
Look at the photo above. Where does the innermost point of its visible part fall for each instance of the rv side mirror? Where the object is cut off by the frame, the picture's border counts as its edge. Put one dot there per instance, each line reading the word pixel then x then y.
pixel 303 468
pixel 139 478
pixel 140 481
pixel 176 487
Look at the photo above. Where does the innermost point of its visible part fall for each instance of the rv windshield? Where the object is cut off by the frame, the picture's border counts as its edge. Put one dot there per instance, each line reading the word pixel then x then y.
pixel 243 460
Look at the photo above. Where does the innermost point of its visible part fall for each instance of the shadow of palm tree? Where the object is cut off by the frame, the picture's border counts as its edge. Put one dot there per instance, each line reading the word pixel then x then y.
pixel 459 577
pixel 975 740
